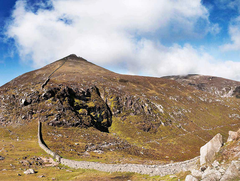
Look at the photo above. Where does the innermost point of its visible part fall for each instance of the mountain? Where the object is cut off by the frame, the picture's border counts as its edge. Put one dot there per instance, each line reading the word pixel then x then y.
pixel 91 113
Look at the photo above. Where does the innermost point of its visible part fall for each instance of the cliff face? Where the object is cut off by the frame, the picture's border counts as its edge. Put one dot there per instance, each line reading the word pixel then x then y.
pixel 153 116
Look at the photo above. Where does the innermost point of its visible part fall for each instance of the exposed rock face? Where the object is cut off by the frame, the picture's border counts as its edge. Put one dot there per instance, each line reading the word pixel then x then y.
pixel 208 151
pixel 78 107
pixel 236 92
pixel 214 85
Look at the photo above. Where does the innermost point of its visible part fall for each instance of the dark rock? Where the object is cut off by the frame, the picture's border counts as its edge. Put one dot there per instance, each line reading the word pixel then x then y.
pixel 2 158
pixel 203 168
pixel 236 92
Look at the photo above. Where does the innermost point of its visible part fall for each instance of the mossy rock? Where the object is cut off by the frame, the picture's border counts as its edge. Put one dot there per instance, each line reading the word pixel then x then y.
pixel 83 112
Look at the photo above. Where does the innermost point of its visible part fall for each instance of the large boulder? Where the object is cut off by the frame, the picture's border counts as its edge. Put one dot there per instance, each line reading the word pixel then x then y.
pixel 208 151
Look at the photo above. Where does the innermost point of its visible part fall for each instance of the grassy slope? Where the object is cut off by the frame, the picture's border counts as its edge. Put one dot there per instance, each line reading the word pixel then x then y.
pixel 15 150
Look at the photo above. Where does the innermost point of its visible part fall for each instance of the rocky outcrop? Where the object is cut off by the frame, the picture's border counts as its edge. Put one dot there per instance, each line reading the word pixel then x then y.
pixel 214 85
pixel 217 171
pixel 236 92
pixel 208 151
pixel 223 171
pixel 65 106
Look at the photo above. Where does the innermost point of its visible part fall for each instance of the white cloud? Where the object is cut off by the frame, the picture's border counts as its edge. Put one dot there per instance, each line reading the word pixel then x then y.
pixel 109 32
pixel 215 29
pixel 234 32
pixel 158 60
pixel 99 30
pixel 224 4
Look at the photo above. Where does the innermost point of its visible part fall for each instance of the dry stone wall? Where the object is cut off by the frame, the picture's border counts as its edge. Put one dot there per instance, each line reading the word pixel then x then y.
pixel 152 170
pixel 43 145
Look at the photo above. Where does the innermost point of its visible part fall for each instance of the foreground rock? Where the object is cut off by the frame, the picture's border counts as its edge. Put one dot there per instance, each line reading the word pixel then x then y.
pixel 232 171
pixel 29 171
pixel 208 151
pixel 190 178
pixel 215 169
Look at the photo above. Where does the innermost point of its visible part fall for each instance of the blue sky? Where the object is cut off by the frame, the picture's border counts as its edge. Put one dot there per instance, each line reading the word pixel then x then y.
pixel 144 37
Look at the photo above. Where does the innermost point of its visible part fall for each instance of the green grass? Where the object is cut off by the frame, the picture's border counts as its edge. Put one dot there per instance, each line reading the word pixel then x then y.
pixel 26 146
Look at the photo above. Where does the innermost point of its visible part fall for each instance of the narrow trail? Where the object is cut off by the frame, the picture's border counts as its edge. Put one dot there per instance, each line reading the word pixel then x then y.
pixel 152 170
pixel 48 78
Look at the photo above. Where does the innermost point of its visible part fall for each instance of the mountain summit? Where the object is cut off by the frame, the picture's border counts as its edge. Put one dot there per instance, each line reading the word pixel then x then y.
pixel 145 117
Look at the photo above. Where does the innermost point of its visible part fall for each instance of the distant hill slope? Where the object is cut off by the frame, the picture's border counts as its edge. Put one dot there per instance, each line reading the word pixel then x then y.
pixel 147 118
pixel 214 85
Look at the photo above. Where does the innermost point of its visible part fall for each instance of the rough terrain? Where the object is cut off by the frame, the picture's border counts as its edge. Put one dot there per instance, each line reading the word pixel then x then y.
pixel 224 166
pixel 92 114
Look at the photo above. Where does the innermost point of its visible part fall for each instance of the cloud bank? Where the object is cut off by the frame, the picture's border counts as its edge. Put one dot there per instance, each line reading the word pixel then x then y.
pixel 110 33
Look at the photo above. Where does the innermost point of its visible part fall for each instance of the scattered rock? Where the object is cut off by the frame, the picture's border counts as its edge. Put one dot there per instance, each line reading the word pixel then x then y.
pixel 190 178
pixel 98 151
pixel 208 151
pixel 29 171
pixel 19 174
pixel 215 164
pixel 41 176
pixel 2 158
pixel 203 169
pixel 232 136
pixel 211 174
pixel 231 173
pixel 196 173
